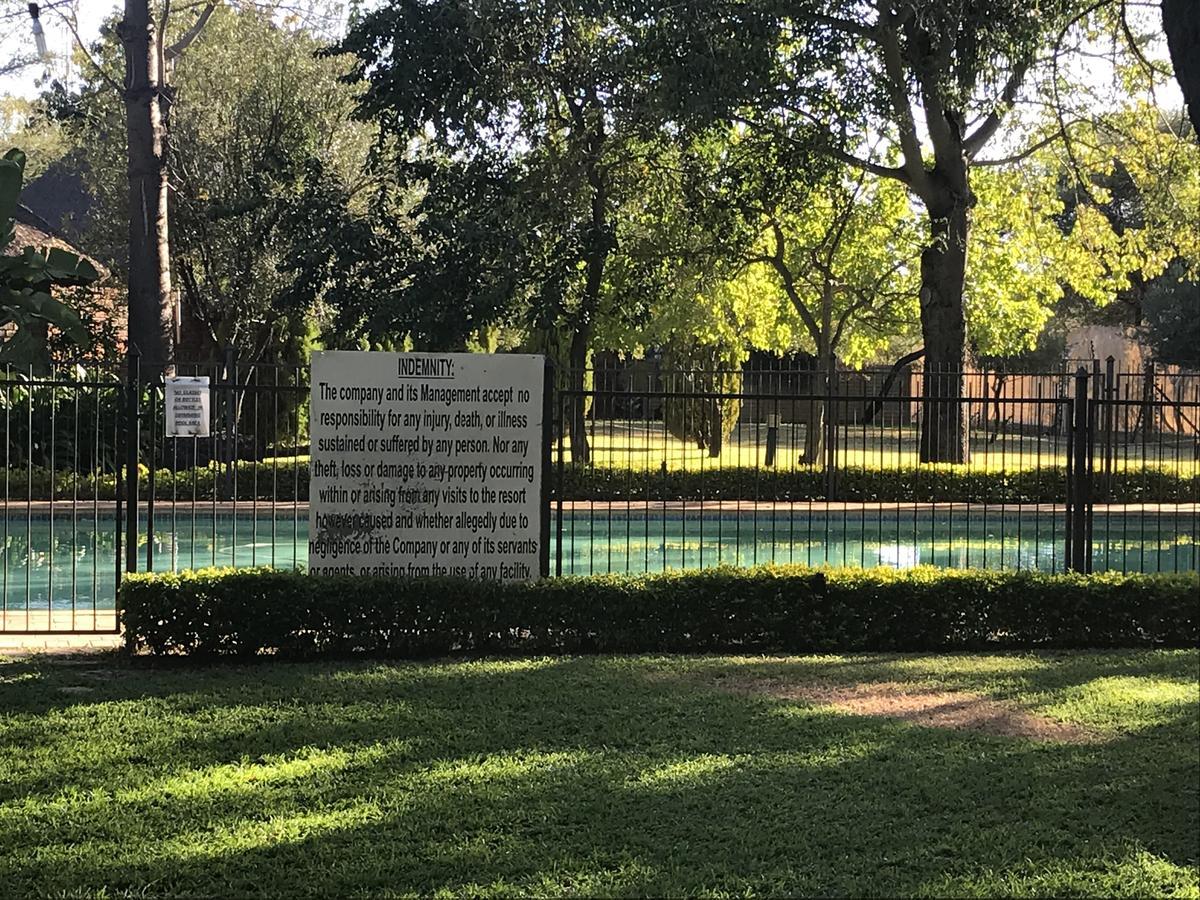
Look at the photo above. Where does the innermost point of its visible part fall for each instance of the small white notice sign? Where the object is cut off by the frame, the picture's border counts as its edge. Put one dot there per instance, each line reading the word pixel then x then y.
pixel 187 406
pixel 426 464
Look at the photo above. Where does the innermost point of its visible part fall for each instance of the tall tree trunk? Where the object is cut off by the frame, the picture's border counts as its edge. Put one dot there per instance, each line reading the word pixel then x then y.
pixel 600 242
pixel 151 322
pixel 944 435
pixel 581 452
pixel 1181 22
pixel 822 386
pixel 814 422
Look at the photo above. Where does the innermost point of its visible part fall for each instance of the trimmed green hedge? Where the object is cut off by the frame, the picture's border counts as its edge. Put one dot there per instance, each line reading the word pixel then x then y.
pixel 247 612
pixel 906 485
pixel 287 482
pixel 283 481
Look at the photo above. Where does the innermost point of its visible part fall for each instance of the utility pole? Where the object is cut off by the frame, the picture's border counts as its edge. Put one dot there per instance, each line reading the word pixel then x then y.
pixel 151 318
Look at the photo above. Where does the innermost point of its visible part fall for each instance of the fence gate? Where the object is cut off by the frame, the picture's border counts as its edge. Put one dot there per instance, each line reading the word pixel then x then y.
pixel 235 497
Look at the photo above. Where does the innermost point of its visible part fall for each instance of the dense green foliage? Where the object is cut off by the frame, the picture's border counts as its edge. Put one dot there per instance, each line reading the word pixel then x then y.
pixel 1171 306
pixel 248 612
pixel 596 776
pixel 254 113
pixel 689 372
pixel 619 177
pixel 28 307
pixel 908 484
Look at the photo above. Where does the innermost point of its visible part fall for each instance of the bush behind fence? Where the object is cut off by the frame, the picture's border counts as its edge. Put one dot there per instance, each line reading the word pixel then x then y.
pixel 287 482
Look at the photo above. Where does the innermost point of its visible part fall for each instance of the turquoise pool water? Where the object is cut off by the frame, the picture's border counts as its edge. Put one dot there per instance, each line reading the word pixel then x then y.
pixel 73 560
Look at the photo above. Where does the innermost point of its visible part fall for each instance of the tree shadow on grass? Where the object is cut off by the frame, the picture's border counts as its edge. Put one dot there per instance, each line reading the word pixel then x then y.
pixel 558 775
pixel 1011 671
pixel 39 684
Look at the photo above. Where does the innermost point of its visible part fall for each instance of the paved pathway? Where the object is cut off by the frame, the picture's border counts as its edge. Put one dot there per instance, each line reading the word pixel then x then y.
pixel 26 644
pixel 22 633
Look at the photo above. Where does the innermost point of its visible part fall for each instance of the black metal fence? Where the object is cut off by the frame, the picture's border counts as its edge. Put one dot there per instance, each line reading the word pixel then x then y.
pixel 651 470
pixel 1091 470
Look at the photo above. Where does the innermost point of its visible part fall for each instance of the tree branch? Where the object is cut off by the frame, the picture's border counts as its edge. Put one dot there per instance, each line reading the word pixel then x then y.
pixel 877 404
pixel 837 153
pixel 975 141
pixel 111 82
pixel 176 49
pixel 1081 182
pixel 835 236
pixel 1031 149
pixel 789 283
pixel 845 25
pixel 893 64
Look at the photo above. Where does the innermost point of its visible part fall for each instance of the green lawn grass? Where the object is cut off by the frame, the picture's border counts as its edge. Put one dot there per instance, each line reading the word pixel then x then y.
pixel 642 445
pixel 592 776
pixel 647 445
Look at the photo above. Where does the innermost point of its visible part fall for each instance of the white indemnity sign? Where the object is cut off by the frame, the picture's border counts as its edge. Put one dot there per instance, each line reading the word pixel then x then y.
pixel 426 464
pixel 187 406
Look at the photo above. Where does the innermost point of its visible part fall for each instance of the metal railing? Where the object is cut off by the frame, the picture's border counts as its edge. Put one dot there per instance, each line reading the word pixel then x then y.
pixel 1086 471
pixel 650 470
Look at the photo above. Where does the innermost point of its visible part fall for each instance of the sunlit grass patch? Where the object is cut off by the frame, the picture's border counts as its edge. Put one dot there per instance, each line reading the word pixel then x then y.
pixel 648 446
pixel 604 775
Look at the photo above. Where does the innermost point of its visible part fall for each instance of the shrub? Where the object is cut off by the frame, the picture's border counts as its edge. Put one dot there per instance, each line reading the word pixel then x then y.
pixel 853 484
pixel 286 480
pixel 247 612
pixel 689 369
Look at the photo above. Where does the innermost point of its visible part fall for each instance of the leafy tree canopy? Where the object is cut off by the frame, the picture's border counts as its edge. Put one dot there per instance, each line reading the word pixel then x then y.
pixel 253 104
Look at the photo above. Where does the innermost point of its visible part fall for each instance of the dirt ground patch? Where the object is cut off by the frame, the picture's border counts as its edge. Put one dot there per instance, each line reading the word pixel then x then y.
pixel 930 707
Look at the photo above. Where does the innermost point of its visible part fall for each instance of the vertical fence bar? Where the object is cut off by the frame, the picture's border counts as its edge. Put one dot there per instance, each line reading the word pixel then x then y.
pixel 1079 487
pixel 547 476
pixel 7 496
pixel 152 474
pixel 1095 400
pixel 1108 426
pixel 558 426
pixel 830 401
pixel 119 488
pixel 133 388
pixel 52 440
pixel 1110 394
pixel 231 436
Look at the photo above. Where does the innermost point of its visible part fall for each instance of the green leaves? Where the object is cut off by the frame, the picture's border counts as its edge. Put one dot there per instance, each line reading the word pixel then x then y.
pixel 26 282
pixel 26 306
pixel 12 174
pixel 250 612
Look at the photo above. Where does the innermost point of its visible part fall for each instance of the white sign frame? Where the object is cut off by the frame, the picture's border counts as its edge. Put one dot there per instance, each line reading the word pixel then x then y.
pixel 474 507
pixel 187 397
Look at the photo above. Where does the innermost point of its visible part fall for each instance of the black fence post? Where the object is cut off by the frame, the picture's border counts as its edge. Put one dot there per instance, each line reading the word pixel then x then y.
pixel 152 467
pixel 133 390
pixel 830 432
pixel 558 431
pixel 1093 424
pixel 547 476
pixel 231 448
pixel 1079 488
pixel 1110 396
pixel 1149 419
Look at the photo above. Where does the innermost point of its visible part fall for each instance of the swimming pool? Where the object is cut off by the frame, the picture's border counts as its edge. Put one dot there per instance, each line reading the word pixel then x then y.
pixel 69 562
